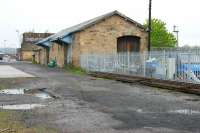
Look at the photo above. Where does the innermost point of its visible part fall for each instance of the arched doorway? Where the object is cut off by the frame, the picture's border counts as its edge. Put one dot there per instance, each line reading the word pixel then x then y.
pixel 128 44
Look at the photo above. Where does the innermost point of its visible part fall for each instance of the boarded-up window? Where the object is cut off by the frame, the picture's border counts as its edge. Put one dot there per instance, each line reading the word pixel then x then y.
pixel 128 44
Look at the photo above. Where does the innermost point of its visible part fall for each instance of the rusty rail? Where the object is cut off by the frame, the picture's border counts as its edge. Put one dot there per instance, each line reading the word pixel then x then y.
pixel 190 88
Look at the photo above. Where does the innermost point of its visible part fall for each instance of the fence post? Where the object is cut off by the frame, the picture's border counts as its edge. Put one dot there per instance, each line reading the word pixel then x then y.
pixel 128 67
pixel 99 62
pixel 144 64
pixel 189 58
pixel 104 66
pixel 87 63
pixel 165 65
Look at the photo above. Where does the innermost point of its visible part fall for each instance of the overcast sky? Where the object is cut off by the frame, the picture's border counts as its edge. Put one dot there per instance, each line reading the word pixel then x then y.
pixel 55 15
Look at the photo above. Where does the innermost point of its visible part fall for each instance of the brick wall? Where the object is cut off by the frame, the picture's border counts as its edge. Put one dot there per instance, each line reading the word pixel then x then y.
pixel 102 37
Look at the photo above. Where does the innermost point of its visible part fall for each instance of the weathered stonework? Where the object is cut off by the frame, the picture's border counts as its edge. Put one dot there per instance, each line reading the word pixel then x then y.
pixel 28 47
pixel 26 55
pixel 41 56
pixel 101 38
pixel 98 37
pixel 57 52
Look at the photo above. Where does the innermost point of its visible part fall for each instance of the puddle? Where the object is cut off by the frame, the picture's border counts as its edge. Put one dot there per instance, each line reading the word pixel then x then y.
pixel 40 93
pixel 185 112
pixel 139 110
pixel 12 91
pixel 21 106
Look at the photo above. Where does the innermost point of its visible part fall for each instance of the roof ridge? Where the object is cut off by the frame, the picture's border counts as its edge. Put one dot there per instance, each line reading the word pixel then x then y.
pixel 86 24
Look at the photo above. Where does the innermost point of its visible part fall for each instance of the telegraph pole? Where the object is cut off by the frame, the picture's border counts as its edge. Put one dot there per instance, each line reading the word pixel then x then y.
pixel 177 33
pixel 149 26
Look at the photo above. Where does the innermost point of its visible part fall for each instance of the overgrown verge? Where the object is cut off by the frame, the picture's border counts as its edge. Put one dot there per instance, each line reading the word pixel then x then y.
pixel 34 62
pixel 75 70
pixel 9 122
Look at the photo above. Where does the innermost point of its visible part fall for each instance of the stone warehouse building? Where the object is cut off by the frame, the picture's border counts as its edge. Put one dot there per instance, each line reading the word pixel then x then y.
pixel 109 33
pixel 27 45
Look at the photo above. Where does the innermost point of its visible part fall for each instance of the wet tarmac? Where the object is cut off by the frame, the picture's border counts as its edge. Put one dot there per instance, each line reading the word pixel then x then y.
pixel 37 93
pixel 95 105
pixel 40 93
pixel 21 106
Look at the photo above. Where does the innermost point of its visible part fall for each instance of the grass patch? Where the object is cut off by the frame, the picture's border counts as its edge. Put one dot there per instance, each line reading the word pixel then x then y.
pixel 75 70
pixel 2 87
pixel 34 62
pixel 9 120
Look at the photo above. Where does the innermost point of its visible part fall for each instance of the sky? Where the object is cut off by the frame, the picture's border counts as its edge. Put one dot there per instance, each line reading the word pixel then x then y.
pixel 55 15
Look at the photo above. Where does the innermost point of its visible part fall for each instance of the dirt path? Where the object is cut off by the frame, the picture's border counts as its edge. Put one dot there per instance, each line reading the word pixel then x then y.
pixel 88 104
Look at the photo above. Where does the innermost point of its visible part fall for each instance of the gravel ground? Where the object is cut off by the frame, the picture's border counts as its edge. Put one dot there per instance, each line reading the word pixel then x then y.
pixel 88 104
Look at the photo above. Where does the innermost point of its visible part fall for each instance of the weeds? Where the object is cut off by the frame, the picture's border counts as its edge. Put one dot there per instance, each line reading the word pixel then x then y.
pixel 9 121
pixel 76 70
pixel 34 62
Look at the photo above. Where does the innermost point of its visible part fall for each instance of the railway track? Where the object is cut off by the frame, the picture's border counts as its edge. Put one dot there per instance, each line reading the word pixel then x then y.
pixel 164 84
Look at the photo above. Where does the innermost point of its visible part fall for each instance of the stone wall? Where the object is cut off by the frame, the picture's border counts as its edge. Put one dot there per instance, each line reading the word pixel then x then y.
pixel 29 38
pixel 44 58
pixel 76 50
pixel 102 37
pixel 27 51
pixel 57 52
pixel 37 56
pixel 41 56
pixel 28 46
pixel 27 55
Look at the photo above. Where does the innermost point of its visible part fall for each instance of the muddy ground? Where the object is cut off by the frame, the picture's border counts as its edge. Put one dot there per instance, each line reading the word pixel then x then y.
pixel 86 104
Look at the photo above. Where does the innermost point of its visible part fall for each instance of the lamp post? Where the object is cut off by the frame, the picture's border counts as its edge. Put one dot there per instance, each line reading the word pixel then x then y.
pixel 177 33
pixel 149 26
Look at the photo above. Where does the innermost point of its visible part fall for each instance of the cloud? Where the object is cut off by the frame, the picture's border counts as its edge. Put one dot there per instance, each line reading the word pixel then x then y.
pixel 54 15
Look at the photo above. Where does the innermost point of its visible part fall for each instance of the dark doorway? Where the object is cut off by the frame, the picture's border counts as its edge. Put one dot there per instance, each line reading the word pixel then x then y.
pixel 128 44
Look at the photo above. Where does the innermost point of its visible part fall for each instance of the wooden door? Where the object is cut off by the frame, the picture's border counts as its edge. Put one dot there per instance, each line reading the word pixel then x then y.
pixel 128 44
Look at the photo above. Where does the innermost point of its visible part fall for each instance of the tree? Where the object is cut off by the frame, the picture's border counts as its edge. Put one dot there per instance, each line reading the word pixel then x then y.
pixel 160 36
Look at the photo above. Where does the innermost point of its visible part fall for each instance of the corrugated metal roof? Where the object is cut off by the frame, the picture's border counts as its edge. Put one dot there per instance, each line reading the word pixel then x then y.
pixel 82 26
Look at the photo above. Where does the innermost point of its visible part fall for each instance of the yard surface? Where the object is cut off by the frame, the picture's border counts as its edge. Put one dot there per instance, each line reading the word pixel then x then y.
pixel 7 71
pixel 86 104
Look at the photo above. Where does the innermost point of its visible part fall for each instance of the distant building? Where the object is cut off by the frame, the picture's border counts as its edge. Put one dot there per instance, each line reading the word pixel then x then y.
pixel 1 55
pixel 27 45
pixel 110 33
